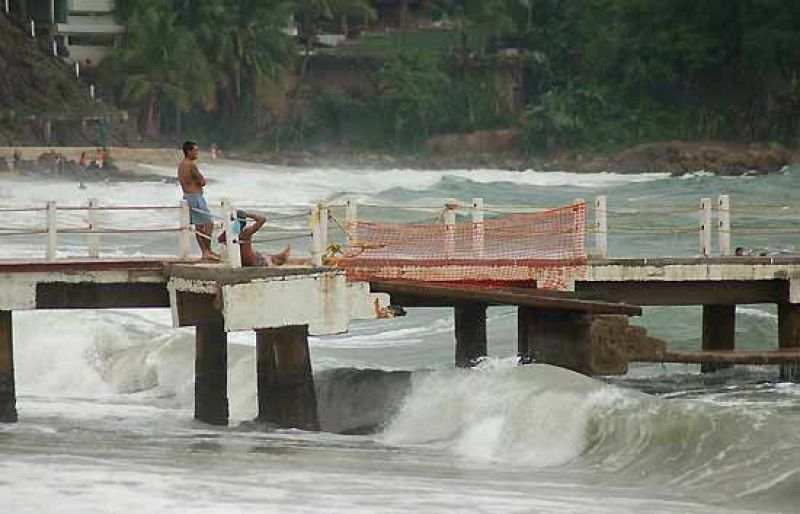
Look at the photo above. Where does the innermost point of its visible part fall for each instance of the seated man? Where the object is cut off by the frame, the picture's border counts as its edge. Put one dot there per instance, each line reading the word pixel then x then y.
pixel 251 257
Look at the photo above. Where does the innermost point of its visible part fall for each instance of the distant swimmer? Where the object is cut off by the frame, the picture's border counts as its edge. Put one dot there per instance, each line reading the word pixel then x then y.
pixel 251 257
pixel 192 183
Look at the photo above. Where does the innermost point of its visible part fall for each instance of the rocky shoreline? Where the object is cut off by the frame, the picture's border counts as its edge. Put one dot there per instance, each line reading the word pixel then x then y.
pixel 674 157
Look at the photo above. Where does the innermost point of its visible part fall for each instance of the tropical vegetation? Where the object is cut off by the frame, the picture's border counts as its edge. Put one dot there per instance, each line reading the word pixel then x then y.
pixel 595 74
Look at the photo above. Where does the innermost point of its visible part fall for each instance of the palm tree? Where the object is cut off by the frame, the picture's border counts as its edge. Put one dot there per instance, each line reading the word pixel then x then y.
pixel 159 63
pixel 247 43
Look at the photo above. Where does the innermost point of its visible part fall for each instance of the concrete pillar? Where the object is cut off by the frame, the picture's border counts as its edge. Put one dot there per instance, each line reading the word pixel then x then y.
pixel 594 345
pixel 719 330
pixel 211 373
pixel 470 333
pixel 789 337
pixel 8 400
pixel 286 394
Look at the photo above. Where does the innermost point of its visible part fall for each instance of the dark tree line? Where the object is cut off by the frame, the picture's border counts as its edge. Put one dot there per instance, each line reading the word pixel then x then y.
pixel 596 73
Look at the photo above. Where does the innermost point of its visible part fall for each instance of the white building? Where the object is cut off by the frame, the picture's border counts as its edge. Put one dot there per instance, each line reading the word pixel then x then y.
pixel 85 31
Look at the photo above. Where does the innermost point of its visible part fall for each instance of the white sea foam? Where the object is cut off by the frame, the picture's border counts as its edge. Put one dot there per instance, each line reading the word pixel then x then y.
pixel 755 312
pixel 529 415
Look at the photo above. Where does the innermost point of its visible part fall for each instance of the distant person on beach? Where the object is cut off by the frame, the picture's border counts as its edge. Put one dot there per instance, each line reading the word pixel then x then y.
pixel 251 257
pixel 214 151
pixel 192 182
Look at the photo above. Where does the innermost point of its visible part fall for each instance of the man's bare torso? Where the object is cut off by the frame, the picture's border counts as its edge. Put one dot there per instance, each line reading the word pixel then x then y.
pixel 190 178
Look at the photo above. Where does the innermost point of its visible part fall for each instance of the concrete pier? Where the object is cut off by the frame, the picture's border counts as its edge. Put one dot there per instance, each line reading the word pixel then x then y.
pixel 211 372
pixel 719 331
pixel 470 330
pixel 286 394
pixel 8 401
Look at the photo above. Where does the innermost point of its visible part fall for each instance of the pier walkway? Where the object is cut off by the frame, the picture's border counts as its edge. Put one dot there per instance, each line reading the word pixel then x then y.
pixel 573 303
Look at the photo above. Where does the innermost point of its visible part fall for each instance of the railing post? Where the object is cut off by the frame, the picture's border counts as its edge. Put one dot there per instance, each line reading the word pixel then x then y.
pixel 600 227
pixel 724 224
pixel 52 230
pixel 450 229
pixel 705 227
pixel 233 257
pixel 478 240
pixel 185 235
pixel 94 237
pixel 319 233
pixel 351 225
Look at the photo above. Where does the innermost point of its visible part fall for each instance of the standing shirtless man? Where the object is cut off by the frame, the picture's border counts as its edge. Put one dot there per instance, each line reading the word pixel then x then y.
pixel 192 182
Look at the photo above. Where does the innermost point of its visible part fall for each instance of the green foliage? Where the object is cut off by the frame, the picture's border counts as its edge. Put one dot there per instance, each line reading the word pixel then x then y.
pixel 411 89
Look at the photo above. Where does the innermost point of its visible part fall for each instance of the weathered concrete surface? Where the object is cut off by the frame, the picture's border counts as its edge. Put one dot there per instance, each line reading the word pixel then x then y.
pixel 594 345
pixel 680 269
pixel 256 298
pixel 20 279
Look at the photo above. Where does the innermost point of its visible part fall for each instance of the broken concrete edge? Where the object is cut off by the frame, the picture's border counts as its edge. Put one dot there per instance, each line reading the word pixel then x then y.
pixel 324 301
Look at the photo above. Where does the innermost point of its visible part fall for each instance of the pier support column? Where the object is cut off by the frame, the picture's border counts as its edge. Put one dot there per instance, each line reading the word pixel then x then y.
pixel 789 337
pixel 286 394
pixel 211 373
pixel 470 333
pixel 719 330
pixel 594 345
pixel 8 399
pixel 553 337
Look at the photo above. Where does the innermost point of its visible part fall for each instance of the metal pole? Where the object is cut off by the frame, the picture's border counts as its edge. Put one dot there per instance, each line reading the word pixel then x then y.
pixel 600 227
pixel 705 227
pixel 52 231
pixel 77 70
pixel 478 242
pixel 33 29
pixel 94 237
pixel 724 224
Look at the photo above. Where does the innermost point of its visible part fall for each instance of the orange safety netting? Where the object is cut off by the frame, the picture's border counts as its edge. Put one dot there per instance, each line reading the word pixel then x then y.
pixel 547 249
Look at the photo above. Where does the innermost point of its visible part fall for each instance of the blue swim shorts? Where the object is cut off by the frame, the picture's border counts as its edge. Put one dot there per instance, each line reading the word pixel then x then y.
pixel 200 213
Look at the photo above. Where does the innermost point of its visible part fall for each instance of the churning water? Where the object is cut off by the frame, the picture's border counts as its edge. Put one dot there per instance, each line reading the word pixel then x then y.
pixel 105 397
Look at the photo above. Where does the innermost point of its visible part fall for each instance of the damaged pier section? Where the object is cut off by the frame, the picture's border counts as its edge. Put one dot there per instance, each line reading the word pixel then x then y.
pixel 283 306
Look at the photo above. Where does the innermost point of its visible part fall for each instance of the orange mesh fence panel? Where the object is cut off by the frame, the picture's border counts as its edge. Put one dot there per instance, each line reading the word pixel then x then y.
pixel 546 248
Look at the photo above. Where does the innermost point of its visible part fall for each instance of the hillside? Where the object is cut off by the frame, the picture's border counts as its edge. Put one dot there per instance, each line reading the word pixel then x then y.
pixel 33 82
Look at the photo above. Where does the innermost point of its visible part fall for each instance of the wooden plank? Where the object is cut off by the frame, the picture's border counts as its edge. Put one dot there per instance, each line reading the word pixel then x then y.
pixel 727 356
pixel 688 292
pixel 418 293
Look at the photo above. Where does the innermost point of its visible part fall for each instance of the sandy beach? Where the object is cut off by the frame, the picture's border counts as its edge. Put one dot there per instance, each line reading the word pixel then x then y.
pixel 127 159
